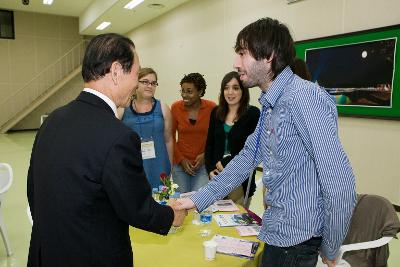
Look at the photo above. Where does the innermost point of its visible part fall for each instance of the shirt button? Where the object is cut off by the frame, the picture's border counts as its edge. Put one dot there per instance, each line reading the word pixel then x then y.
pixel 268 132
pixel 269 110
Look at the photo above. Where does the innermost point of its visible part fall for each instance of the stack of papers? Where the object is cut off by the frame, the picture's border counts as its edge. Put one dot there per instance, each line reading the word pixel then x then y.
pixel 243 219
pixel 249 230
pixel 224 205
pixel 236 247
pixel 188 194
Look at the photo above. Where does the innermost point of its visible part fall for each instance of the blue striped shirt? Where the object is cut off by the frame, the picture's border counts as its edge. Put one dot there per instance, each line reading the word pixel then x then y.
pixel 311 186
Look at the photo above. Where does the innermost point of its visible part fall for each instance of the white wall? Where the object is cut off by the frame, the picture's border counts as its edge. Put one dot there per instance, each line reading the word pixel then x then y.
pixel 199 37
pixel 40 40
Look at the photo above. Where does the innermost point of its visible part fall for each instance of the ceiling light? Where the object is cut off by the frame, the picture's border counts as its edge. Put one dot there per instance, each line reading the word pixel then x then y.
pixel 132 4
pixel 47 2
pixel 103 25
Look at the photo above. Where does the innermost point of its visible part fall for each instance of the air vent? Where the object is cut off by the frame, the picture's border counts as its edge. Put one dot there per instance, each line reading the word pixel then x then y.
pixel 156 6
pixel 292 1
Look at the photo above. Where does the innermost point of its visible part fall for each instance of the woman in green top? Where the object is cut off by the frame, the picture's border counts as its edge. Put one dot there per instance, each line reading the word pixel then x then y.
pixel 231 122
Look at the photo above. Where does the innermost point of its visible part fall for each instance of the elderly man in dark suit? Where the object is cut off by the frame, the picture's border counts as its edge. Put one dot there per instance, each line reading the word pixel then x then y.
pixel 86 182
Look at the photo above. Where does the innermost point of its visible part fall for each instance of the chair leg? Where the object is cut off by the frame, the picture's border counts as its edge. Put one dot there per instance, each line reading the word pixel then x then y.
pixel 4 236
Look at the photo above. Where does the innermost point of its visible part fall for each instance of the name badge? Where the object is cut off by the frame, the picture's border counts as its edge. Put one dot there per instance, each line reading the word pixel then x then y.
pixel 148 151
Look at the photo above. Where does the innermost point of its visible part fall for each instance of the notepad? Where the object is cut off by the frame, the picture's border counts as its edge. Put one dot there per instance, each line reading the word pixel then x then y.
pixel 236 247
pixel 224 205
pixel 248 230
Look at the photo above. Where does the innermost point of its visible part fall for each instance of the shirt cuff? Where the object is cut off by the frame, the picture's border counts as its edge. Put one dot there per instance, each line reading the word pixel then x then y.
pixel 203 199
pixel 329 253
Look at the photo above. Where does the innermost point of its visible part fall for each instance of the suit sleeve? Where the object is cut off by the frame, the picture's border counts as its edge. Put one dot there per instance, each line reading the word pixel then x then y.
pixel 126 185
pixel 30 184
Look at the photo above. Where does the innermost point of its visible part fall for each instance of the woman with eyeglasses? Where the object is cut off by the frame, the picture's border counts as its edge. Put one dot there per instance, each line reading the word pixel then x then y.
pixel 152 120
pixel 190 119
pixel 231 122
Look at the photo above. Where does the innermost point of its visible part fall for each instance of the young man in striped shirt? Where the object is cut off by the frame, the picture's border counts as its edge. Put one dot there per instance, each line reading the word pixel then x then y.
pixel 311 186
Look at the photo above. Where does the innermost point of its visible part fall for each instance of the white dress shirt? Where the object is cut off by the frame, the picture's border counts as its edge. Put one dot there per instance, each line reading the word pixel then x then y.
pixel 105 98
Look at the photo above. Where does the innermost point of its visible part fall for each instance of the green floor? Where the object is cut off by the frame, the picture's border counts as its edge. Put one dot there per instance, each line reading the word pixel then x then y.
pixel 15 149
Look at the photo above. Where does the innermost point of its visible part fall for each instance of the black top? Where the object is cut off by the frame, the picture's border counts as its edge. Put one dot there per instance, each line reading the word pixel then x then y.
pixel 237 136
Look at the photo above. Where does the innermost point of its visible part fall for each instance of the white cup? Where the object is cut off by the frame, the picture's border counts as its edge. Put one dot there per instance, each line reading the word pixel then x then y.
pixel 210 248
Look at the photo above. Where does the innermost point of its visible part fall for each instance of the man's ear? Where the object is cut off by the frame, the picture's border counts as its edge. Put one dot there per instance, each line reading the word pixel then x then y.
pixel 115 71
pixel 269 60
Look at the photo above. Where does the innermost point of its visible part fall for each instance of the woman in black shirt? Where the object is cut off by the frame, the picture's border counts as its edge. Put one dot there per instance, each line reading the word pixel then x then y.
pixel 231 122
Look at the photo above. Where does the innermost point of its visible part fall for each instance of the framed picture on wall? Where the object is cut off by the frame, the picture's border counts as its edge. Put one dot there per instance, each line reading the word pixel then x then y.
pixel 359 70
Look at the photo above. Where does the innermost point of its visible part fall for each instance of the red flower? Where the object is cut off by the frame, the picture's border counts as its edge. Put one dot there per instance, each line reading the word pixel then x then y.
pixel 163 177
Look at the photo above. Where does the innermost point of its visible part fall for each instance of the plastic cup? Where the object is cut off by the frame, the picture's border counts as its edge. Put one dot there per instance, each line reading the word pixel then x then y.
pixel 210 249
pixel 196 218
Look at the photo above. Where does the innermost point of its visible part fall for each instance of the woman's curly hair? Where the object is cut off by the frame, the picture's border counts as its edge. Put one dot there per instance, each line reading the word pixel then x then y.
pixel 197 79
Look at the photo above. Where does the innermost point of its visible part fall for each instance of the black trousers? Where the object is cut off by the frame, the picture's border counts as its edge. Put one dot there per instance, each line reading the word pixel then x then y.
pixel 302 255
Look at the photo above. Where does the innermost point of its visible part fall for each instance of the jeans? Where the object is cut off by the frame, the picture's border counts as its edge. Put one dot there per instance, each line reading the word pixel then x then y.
pixel 188 183
pixel 302 255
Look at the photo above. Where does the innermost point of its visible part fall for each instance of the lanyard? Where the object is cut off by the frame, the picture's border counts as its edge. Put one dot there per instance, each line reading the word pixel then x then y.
pixel 258 140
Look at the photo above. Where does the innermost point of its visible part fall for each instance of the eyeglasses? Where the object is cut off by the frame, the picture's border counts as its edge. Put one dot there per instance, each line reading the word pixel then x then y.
pixel 147 83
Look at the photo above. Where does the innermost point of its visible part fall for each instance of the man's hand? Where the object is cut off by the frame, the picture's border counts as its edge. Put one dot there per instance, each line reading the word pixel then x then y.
pixel 179 214
pixel 213 173
pixel 199 161
pixel 219 166
pixel 330 263
pixel 188 167
pixel 185 204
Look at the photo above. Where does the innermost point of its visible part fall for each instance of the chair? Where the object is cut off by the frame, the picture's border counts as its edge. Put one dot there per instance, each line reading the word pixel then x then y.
pixel 373 226
pixel 6 178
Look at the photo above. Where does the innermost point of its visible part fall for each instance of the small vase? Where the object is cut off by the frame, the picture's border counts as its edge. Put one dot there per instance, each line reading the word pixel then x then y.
pixel 164 200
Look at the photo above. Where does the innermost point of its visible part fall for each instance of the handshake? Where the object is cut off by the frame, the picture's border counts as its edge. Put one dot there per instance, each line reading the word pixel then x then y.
pixel 180 208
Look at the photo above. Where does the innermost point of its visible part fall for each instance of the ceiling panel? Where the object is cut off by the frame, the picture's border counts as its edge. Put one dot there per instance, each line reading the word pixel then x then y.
pixel 96 11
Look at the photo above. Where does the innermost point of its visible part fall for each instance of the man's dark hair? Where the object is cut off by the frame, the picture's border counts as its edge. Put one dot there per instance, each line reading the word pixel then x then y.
pixel 264 37
pixel 197 80
pixel 223 108
pixel 300 68
pixel 102 51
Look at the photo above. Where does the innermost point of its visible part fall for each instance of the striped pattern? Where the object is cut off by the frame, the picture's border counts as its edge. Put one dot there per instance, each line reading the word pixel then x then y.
pixel 311 186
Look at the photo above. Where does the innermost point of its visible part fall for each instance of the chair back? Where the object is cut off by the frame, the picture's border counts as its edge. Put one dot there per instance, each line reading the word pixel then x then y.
pixel 374 219
pixel 6 178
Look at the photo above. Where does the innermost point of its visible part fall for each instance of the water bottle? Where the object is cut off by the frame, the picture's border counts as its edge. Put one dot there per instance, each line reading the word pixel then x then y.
pixel 205 221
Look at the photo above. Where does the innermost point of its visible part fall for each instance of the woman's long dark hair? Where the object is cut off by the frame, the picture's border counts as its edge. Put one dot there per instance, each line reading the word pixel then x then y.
pixel 223 108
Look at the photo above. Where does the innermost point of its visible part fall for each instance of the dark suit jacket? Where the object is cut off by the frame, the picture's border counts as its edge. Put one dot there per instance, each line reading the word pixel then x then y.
pixel 86 185
pixel 215 144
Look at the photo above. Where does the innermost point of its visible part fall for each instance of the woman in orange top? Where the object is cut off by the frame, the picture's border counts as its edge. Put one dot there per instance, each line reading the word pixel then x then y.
pixel 190 119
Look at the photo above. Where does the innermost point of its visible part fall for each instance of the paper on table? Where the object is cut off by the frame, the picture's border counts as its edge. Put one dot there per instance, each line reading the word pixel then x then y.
pixel 234 219
pixel 249 230
pixel 187 194
pixel 224 205
pixel 236 247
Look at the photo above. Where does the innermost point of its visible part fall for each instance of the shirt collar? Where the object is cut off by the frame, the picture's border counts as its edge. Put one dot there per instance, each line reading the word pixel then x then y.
pixel 271 96
pixel 104 98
